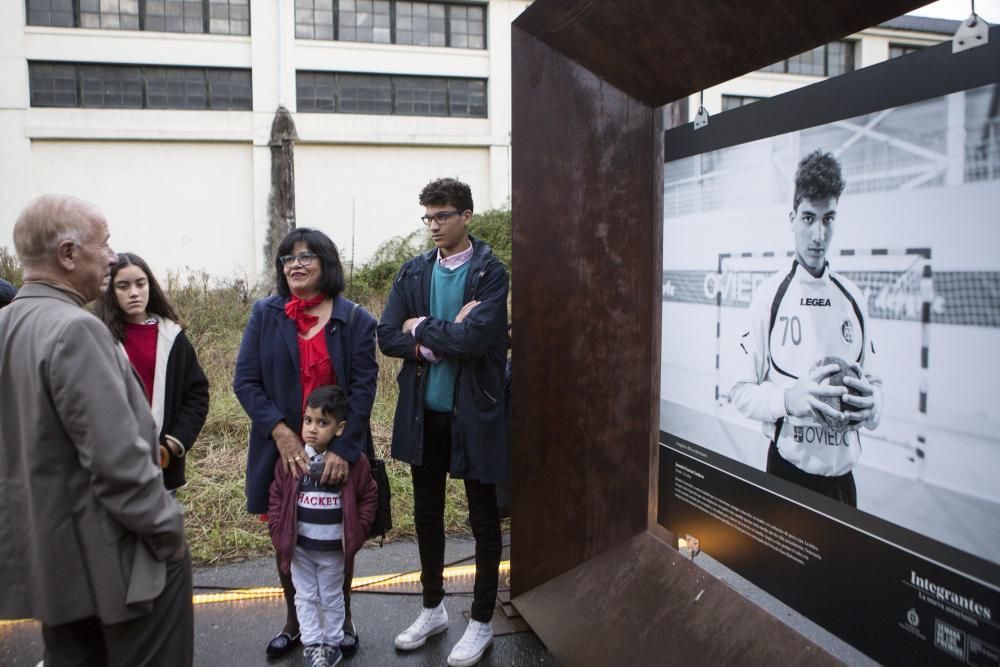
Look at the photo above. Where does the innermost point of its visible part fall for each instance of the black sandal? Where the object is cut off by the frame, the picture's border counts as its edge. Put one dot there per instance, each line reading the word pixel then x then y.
pixel 350 643
pixel 283 643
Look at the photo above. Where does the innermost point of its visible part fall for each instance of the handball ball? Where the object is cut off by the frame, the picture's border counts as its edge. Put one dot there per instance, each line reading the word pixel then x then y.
pixel 837 380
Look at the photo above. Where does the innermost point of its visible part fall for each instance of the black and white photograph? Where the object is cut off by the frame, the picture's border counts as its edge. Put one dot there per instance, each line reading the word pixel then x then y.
pixel 831 312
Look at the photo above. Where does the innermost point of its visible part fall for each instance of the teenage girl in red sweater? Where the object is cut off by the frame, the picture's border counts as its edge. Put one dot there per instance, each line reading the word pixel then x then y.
pixel 144 321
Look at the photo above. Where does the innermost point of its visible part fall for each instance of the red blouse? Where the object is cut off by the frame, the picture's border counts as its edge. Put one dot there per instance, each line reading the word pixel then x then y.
pixel 315 369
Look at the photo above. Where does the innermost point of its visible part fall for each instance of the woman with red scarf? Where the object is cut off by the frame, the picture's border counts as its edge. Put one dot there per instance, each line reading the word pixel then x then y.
pixel 306 336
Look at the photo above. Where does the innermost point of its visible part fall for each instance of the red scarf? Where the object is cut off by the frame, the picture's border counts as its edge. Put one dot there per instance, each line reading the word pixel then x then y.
pixel 296 309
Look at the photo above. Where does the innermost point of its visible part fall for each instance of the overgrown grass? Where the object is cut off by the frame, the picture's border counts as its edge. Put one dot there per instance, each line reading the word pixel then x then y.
pixel 218 526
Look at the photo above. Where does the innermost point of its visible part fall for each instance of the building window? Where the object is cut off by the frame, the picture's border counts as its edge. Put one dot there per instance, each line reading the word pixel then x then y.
pixel 138 87
pixel 223 17
pixel 53 85
pixel 176 88
pixel 421 24
pixel 229 89
pixel 314 19
pixel 340 92
pixel 736 101
pixel 110 86
pixel 467 97
pixel 896 50
pixel 453 24
pixel 828 60
pixel 175 15
pixel 468 27
pixel 363 93
pixel 421 96
pixel 364 21
pixel 109 14
pixel 51 12
pixel 229 17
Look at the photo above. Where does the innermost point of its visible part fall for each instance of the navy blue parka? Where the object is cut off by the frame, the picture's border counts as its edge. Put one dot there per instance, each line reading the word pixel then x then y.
pixel 479 343
pixel 268 386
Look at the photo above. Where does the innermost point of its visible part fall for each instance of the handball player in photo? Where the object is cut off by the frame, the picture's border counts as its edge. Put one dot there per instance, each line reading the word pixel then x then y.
pixel 807 363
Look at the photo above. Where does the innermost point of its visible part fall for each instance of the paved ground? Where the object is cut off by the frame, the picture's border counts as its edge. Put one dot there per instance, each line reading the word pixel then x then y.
pixel 235 633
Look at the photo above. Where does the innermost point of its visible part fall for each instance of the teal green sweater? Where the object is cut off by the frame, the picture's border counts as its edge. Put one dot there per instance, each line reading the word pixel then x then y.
pixel 447 293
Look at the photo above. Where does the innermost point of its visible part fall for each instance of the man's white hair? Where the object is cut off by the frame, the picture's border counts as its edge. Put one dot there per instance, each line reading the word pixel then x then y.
pixel 49 220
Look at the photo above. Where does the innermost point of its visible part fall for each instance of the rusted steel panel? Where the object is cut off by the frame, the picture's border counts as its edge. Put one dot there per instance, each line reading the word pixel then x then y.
pixel 662 50
pixel 586 241
pixel 657 608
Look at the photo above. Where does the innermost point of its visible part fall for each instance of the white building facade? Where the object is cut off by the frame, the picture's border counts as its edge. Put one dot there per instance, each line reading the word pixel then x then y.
pixel 891 39
pixel 160 112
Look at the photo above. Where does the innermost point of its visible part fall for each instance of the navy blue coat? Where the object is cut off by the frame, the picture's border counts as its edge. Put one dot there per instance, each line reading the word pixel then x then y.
pixel 479 439
pixel 267 384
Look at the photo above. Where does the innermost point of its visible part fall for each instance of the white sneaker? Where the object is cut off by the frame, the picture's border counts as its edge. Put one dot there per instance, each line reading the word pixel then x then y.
pixel 470 648
pixel 429 622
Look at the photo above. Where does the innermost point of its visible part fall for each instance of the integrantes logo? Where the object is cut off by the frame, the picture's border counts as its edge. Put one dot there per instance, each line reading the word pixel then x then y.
pixel 942 593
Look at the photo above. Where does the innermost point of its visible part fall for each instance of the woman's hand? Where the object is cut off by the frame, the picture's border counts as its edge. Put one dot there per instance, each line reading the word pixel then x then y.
pixel 293 454
pixel 335 470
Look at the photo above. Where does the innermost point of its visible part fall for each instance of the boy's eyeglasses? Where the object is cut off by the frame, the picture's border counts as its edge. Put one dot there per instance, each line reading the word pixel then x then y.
pixel 440 217
pixel 303 258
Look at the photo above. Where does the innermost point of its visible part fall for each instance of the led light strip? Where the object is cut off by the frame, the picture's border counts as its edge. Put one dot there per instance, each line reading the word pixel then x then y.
pixel 369 582
pixel 373 582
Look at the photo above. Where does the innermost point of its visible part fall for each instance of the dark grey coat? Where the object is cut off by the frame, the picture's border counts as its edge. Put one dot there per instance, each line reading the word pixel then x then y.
pixel 85 522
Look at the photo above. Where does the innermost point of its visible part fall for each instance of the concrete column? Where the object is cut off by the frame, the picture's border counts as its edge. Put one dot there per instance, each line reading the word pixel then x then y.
pixel 500 175
pixel 870 50
pixel 15 148
pixel 272 48
pixel 500 15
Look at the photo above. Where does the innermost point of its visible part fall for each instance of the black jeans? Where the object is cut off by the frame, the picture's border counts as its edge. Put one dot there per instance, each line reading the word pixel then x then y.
pixel 429 481
pixel 164 636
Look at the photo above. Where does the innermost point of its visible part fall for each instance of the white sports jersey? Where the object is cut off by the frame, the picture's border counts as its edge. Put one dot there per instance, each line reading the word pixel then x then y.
pixel 795 321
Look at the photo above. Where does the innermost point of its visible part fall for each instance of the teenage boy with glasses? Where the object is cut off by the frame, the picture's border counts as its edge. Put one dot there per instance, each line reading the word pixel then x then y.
pixel 446 318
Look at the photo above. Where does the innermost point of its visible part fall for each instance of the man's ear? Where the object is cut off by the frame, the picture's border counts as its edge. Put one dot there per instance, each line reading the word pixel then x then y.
pixel 791 216
pixel 65 252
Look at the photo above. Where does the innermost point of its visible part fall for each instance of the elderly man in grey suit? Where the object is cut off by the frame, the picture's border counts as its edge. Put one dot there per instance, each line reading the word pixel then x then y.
pixel 91 543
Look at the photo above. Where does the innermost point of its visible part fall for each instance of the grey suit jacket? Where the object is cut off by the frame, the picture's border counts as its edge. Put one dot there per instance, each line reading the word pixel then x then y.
pixel 85 521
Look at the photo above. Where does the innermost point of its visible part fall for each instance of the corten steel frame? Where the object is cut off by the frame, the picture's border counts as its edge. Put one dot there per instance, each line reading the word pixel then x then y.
pixel 592 572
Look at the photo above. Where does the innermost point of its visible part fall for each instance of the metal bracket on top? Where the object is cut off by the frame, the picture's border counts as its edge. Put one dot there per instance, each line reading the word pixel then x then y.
pixel 973 32
pixel 701 118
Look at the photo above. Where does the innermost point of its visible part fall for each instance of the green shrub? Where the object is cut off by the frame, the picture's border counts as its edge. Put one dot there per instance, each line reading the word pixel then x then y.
pixel 374 279
pixel 494 227
pixel 10 268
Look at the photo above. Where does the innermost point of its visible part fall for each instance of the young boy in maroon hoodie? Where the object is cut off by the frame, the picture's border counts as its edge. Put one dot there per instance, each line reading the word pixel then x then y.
pixel 318 528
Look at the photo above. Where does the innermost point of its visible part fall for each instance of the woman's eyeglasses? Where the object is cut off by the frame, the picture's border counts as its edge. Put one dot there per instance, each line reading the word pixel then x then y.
pixel 303 258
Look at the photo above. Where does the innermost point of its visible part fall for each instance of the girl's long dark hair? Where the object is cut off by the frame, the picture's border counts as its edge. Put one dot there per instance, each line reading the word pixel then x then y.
pixel 110 312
